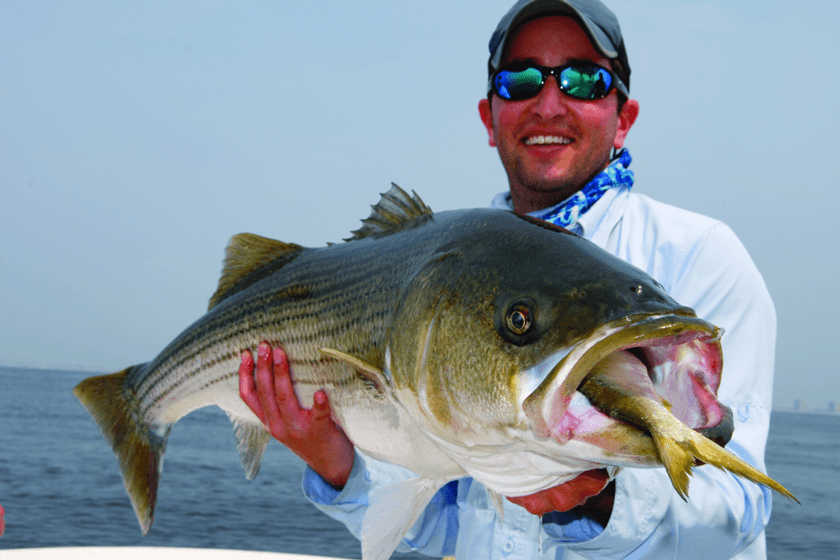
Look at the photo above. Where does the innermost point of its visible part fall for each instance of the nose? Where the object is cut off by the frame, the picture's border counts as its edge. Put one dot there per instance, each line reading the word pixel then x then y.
pixel 550 101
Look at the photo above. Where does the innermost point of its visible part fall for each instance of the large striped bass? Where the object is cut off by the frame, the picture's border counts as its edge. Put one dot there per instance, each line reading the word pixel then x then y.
pixel 465 343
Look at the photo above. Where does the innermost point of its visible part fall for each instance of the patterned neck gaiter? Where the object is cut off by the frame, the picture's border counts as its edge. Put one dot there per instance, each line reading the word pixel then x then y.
pixel 567 212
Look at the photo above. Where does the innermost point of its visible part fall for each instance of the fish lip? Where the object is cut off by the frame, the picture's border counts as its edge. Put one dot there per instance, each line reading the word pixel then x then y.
pixel 547 404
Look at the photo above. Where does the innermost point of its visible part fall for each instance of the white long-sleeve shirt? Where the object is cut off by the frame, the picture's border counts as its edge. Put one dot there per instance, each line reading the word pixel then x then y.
pixel 702 264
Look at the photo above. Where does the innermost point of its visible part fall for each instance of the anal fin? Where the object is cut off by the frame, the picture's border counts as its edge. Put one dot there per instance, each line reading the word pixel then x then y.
pixel 251 440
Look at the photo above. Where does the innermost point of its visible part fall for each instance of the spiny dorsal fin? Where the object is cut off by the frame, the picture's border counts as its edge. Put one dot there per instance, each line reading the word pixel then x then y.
pixel 248 259
pixel 395 209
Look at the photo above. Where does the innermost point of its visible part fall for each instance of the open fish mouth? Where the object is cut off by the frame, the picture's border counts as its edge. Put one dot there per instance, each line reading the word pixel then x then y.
pixel 680 354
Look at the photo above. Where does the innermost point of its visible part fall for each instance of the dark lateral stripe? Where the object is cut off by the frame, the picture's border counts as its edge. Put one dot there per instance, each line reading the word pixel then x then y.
pixel 336 319
pixel 328 294
pixel 217 343
pixel 355 299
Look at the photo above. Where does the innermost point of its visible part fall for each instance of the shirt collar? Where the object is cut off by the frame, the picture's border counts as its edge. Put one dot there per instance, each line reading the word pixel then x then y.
pixel 582 211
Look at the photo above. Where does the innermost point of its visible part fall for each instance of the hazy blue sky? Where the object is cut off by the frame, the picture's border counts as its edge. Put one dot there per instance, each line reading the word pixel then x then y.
pixel 137 137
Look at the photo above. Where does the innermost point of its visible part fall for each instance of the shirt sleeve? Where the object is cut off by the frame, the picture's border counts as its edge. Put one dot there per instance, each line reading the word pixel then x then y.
pixel 724 515
pixel 434 534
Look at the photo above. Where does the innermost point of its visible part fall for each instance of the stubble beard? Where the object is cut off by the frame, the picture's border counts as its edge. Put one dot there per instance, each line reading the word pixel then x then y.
pixel 534 191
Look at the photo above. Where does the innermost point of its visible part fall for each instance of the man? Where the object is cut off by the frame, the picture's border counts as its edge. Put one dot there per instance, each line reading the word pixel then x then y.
pixel 557 108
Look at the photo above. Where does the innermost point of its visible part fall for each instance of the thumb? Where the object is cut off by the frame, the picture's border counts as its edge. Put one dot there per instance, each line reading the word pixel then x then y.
pixel 321 408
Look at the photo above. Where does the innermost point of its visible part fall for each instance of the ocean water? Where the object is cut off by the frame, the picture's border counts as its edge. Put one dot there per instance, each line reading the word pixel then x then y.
pixel 60 484
pixel 803 454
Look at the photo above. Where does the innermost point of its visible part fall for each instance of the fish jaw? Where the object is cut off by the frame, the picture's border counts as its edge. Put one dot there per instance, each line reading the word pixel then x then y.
pixel 683 359
pixel 524 463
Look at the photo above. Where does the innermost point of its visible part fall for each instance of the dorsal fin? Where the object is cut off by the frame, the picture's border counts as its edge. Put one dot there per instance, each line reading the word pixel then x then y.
pixel 248 259
pixel 393 211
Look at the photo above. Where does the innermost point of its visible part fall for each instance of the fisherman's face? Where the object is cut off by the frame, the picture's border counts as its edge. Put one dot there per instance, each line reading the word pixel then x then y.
pixel 541 175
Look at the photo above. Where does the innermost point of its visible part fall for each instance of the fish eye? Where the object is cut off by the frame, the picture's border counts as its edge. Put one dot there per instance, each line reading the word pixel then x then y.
pixel 519 319
pixel 516 321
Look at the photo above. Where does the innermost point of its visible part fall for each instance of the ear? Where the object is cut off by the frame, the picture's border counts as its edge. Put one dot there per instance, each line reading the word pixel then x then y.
pixel 626 118
pixel 486 112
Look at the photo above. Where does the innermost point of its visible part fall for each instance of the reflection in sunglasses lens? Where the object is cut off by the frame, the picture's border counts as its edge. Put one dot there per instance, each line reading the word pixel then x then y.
pixel 579 82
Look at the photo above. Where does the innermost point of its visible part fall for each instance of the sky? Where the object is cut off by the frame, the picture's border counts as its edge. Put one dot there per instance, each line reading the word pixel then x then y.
pixel 137 137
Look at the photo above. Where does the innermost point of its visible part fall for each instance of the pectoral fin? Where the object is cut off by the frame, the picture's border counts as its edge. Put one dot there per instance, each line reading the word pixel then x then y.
pixel 392 512
pixel 496 499
pixel 369 371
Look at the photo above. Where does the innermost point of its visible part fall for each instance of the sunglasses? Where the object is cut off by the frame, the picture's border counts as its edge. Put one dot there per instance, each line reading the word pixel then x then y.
pixel 581 81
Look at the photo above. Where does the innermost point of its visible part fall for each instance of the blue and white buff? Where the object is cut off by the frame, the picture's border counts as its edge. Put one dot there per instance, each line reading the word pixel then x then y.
pixel 570 210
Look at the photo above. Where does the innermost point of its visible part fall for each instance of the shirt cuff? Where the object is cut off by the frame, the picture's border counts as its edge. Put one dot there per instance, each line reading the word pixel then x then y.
pixel 320 492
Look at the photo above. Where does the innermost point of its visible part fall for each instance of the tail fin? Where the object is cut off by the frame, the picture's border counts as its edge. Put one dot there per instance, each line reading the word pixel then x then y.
pixel 138 446
pixel 679 445
pixel 709 452
pixel 677 462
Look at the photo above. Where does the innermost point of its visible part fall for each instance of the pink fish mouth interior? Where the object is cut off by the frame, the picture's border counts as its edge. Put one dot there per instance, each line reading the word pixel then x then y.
pixel 677 360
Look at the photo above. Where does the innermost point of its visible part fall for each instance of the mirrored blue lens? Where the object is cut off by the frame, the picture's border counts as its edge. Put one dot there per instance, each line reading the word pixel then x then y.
pixel 519 85
pixel 580 82
pixel 585 83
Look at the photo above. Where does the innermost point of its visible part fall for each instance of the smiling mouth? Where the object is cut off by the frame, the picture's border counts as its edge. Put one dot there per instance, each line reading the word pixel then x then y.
pixel 547 140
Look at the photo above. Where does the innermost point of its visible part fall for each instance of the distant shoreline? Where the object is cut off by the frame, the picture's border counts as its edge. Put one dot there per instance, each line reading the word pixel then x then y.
pixel 824 411
pixel 59 368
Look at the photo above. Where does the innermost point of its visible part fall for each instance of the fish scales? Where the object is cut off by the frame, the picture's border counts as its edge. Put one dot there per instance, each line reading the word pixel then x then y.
pixel 470 342
pixel 207 354
pixel 319 317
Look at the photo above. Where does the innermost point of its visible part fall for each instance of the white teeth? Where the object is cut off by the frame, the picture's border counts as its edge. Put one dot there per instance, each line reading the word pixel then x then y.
pixel 547 140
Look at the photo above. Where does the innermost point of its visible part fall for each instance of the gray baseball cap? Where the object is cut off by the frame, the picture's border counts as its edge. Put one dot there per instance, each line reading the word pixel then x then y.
pixel 597 20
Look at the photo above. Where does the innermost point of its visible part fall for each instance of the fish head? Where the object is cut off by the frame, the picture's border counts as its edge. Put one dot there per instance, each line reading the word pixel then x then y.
pixel 497 331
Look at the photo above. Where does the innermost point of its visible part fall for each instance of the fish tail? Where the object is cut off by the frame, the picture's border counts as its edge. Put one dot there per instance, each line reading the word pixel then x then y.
pixel 138 446
pixel 710 452
pixel 679 446
pixel 677 462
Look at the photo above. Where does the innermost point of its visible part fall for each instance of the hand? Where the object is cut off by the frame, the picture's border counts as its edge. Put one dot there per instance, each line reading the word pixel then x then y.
pixel 311 434
pixel 586 490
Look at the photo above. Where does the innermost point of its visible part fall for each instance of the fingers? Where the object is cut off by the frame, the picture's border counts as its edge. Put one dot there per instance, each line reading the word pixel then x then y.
pixel 268 391
pixel 247 387
pixel 265 382
pixel 270 394
pixel 575 492
pixel 320 415
pixel 536 504
pixel 285 397
pixel 593 482
pixel 586 485
pixel 565 496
